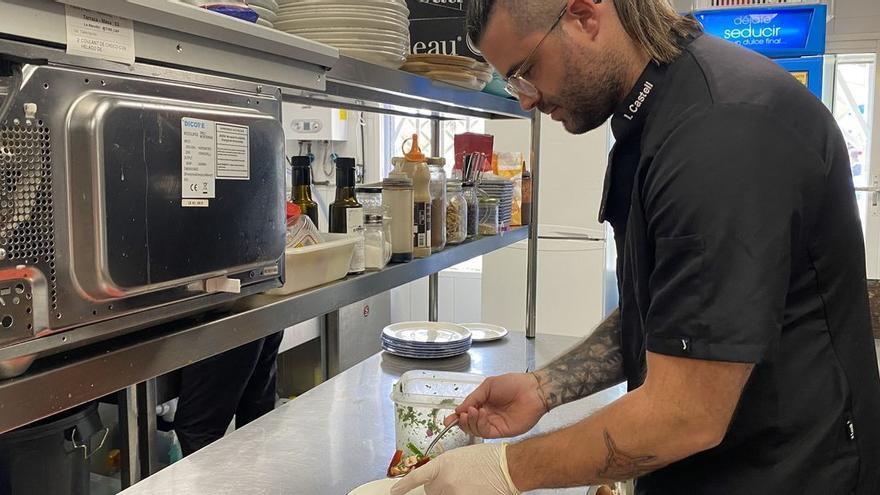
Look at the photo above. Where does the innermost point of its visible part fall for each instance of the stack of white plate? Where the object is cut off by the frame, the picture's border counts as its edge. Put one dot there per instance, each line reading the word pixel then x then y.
pixel 453 69
pixel 502 190
pixel 425 340
pixel 267 10
pixel 376 31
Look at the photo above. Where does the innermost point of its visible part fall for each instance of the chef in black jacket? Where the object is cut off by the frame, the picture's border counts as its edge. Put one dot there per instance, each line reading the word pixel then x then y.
pixel 743 331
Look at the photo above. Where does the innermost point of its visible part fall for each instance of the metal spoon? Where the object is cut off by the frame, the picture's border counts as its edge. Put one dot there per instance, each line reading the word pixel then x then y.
pixel 434 442
pixel 439 436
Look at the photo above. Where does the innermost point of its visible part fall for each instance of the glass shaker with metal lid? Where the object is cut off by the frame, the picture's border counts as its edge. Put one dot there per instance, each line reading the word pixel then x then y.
pixel 375 243
pixel 370 195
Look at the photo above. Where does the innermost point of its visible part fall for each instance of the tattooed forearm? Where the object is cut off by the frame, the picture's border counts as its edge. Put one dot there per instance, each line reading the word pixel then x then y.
pixel 592 366
pixel 621 465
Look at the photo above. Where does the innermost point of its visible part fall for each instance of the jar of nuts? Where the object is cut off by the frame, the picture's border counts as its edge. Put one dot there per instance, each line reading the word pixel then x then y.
pixel 456 213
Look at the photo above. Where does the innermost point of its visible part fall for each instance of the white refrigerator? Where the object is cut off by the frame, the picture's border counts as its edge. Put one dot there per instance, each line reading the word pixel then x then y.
pixel 576 260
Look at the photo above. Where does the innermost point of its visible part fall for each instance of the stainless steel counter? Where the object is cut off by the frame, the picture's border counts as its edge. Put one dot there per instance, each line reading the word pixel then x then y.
pixel 341 434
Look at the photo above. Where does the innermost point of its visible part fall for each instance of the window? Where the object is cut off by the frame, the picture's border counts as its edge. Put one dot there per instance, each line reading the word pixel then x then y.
pixel 398 129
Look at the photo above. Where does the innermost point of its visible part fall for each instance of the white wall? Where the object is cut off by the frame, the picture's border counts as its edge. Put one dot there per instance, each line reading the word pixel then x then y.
pixel 855 19
pixel 570 275
pixel 459 299
pixel 565 160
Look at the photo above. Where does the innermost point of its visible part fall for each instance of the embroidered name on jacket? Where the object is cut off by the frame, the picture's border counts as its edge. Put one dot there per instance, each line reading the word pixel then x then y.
pixel 639 101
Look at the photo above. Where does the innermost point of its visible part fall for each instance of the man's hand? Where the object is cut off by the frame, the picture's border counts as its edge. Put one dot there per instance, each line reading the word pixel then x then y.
pixel 502 407
pixel 475 470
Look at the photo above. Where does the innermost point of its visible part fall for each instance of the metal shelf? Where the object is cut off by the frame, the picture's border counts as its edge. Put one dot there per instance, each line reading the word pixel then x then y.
pixel 176 42
pixel 359 85
pixel 60 382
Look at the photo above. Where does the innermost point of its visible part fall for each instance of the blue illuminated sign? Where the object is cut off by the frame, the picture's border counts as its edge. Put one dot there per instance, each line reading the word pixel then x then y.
pixel 777 32
pixel 808 70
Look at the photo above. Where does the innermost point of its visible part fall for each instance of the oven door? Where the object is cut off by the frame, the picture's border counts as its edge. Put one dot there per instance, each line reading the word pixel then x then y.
pixel 166 192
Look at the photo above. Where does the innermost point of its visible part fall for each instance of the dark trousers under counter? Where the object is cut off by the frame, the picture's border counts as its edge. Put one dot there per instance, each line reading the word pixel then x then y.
pixel 239 383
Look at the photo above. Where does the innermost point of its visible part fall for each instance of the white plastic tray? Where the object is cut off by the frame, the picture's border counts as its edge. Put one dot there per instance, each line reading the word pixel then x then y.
pixel 311 266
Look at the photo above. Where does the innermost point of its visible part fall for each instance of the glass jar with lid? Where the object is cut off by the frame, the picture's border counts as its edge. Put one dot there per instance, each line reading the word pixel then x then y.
pixel 469 191
pixel 456 213
pixel 489 224
pixel 438 203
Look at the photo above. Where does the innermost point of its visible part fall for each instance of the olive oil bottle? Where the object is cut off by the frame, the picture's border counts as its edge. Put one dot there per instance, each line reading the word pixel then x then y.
pixel 346 214
pixel 302 187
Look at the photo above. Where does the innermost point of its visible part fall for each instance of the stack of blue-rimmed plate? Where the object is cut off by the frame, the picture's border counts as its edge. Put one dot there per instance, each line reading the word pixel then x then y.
pixel 426 340
pixel 502 190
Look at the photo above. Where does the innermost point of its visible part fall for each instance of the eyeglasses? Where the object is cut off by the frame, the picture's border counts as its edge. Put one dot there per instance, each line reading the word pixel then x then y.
pixel 517 85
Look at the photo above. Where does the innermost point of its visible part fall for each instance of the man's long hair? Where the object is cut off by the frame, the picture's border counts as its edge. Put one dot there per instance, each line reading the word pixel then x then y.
pixel 656 27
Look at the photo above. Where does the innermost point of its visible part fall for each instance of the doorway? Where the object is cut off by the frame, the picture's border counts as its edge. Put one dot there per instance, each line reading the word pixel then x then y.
pixel 855 92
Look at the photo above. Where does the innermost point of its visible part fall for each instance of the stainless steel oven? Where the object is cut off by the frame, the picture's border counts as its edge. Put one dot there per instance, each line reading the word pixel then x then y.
pixel 127 200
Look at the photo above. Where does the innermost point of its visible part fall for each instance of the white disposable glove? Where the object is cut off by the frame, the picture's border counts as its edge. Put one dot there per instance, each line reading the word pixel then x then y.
pixel 476 470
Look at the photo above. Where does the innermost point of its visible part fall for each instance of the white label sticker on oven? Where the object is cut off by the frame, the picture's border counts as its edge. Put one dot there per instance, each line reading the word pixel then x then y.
pixel 233 152
pixel 97 35
pixel 195 203
pixel 199 150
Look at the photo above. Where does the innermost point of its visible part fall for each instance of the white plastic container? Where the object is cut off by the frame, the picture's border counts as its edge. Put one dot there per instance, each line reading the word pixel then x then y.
pixel 311 266
pixel 422 400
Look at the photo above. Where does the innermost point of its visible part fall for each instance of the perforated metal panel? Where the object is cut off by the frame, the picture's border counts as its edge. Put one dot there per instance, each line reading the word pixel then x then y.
pixel 27 230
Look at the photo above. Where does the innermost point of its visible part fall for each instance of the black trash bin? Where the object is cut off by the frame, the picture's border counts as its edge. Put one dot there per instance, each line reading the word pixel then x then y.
pixel 51 457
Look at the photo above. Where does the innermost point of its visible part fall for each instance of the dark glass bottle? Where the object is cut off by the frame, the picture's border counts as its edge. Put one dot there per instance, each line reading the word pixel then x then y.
pixel 346 214
pixel 302 187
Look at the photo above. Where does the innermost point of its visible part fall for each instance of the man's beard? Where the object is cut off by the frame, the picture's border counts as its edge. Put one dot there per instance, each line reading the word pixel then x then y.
pixel 591 93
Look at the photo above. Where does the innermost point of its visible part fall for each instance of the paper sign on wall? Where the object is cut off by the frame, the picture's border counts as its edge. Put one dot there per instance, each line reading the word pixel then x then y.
pixel 97 35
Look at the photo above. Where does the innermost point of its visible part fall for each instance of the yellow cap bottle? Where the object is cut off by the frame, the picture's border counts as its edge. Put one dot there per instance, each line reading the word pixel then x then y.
pixel 417 167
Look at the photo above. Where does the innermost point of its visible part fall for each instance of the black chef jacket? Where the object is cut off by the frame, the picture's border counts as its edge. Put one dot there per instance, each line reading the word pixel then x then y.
pixel 739 240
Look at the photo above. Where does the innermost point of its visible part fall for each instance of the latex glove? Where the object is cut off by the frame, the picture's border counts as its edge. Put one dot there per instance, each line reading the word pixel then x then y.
pixel 475 470
pixel 501 407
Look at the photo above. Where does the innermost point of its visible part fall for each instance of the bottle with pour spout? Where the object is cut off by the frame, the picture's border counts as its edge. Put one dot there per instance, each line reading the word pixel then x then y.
pixel 416 166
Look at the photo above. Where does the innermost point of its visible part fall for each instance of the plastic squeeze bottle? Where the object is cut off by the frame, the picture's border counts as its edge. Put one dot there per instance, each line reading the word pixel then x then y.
pixel 421 176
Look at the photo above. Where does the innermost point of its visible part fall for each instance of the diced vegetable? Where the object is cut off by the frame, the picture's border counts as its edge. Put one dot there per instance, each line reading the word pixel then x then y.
pixel 401 466
pixel 395 461
pixel 415 450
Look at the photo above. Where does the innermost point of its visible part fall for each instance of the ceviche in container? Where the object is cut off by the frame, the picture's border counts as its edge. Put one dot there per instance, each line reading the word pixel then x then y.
pixel 422 400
